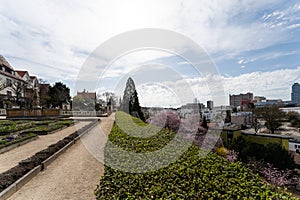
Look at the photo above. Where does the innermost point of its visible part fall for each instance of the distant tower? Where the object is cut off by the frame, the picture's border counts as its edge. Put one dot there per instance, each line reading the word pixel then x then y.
pixel 210 104
pixel 296 93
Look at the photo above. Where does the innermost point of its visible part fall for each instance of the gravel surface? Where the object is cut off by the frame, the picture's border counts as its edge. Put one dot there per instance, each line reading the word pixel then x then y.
pixel 74 174
pixel 11 158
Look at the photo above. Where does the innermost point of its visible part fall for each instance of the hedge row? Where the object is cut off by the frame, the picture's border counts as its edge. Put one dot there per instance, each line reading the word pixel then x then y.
pixel 272 153
pixel 190 177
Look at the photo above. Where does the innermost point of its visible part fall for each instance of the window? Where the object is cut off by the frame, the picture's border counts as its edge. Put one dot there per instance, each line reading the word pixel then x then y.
pixel 8 82
pixel 9 93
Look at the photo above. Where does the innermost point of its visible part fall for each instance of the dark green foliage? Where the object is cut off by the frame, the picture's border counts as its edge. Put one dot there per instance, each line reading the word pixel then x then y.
pixel 190 177
pixel 272 153
pixel 59 93
pixel 130 103
pixel 279 157
pixel 135 107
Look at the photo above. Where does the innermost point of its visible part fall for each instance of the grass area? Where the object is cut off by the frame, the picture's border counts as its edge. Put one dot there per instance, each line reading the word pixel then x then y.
pixel 190 177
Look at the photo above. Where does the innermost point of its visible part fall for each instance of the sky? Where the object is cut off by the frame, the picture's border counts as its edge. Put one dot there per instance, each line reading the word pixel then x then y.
pixel 252 46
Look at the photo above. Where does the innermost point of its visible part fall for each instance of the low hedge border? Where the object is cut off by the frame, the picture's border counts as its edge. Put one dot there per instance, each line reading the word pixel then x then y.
pixel 17 141
pixel 8 146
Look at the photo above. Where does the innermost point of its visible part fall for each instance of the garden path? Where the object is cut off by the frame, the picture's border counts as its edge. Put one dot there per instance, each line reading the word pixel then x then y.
pixel 11 158
pixel 74 174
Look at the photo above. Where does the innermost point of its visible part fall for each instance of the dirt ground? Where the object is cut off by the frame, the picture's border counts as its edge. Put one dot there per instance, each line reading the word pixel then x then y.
pixel 73 175
pixel 11 158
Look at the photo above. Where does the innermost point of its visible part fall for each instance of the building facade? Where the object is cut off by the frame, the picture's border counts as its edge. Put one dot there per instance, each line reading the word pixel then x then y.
pixel 237 100
pixel 295 93
pixel 17 88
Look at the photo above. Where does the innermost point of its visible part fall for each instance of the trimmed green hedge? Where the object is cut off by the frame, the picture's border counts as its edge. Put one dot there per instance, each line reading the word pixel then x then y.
pixel 272 153
pixel 190 177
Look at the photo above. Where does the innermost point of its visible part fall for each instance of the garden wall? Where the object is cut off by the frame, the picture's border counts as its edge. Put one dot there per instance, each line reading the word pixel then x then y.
pixel 27 113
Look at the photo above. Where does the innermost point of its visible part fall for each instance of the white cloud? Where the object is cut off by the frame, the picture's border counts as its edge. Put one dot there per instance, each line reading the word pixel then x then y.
pixel 241 61
pixel 273 85
pixel 54 38
pixel 293 26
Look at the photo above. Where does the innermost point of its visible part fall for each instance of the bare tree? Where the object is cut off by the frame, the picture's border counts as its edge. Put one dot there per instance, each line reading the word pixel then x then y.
pixel 42 81
pixel 18 88
pixel 272 115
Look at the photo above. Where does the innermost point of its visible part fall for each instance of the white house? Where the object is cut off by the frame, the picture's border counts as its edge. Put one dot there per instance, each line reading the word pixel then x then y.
pixel 17 83
pixel 8 77
pixel 294 145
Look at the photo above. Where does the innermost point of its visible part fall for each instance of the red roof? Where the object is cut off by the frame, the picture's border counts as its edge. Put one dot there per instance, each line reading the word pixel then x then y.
pixel 21 73
pixel 87 95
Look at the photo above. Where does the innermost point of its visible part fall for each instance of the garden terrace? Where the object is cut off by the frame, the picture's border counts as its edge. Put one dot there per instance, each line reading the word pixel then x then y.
pixel 10 176
pixel 190 177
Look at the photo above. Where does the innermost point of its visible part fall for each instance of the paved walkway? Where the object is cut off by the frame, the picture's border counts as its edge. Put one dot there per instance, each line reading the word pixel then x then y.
pixel 11 158
pixel 73 175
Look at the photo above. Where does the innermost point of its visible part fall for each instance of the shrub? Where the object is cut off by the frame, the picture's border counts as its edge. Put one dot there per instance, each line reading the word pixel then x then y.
pixel 2 142
pixel 272 153
pixel 222 151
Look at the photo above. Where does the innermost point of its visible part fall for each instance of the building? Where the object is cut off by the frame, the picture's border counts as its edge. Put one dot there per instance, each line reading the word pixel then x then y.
pixel 236 100
pixel 87 95
pixel 210 104
pixel 10 85
pixel 190 109
pixel 17 87
pixel 31 89
pixel 44 94
pixel 294 144
pixel 258 99
pixel 212 115
pixel 242 119
pixel 84 101
pixel 295 93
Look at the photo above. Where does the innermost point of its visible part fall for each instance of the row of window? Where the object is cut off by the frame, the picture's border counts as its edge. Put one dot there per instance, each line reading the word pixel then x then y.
pixel 297 146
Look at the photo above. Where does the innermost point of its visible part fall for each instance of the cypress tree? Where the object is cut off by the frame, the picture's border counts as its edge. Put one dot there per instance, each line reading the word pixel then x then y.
pixel 130 102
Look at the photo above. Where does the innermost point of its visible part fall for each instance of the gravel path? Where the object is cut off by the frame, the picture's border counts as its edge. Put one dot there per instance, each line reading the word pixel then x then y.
pixel 11 158
pixel 74 174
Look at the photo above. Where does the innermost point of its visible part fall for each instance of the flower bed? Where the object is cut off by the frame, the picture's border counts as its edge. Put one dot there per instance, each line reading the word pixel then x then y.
pixel 11 141
pixel 12 132
pixel 190 177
